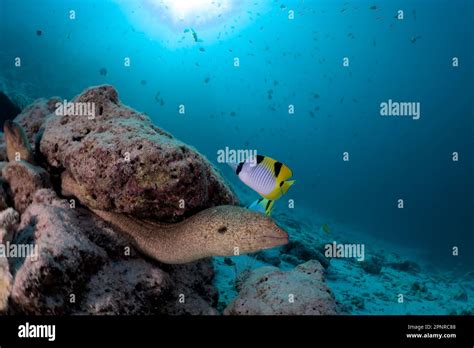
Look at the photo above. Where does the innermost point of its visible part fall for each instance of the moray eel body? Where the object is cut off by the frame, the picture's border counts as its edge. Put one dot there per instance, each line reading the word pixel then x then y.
pixel 17 143
pixel 219 231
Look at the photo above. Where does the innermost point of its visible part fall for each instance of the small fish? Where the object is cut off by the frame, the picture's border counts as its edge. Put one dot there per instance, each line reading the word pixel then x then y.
pixel 103 71
pixel 39 32
pixel 265 176
pixel 195 36
pixel 325 228
pixel 414 38
pixel 262 205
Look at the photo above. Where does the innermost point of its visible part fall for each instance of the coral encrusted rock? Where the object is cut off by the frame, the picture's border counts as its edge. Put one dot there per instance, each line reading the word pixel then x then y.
pixel 81 266
pixel 61 264
pixel 123 163
pixel 270 291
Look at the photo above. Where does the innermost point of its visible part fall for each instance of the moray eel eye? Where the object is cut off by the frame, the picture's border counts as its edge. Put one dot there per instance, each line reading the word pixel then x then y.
pixel 222 230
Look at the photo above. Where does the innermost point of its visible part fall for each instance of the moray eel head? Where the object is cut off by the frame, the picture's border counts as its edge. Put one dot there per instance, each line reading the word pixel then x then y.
pixel 13 132
pixel 17 142
pixel 243 231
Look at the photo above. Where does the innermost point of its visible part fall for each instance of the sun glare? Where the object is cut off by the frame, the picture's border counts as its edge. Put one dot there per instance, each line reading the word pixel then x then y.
pixel 193 11
pixel 180 23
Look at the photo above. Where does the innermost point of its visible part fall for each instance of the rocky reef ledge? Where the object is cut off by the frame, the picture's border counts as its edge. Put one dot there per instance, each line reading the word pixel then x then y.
pixel 124 163
pixel 120 162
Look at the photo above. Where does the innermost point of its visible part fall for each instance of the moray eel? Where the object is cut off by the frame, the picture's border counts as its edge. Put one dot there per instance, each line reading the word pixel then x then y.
pixel 17 143
pixel 224 230
pixel 219 231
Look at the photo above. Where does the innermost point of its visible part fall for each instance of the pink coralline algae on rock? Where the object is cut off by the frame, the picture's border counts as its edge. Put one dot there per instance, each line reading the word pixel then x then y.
pixel 270 291
pixel 125 164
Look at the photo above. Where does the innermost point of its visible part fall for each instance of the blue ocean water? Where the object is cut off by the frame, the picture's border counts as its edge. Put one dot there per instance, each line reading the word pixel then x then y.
pixel 283 62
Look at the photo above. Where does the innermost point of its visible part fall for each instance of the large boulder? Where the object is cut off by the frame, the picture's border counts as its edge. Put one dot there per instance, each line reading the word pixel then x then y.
pixel 121 162
pixel 61 264
pixel 81 266
pixel 270 291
